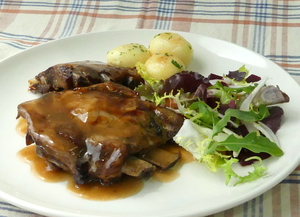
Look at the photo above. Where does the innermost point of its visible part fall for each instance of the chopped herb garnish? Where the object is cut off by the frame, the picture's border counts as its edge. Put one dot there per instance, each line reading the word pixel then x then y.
pixel 176 64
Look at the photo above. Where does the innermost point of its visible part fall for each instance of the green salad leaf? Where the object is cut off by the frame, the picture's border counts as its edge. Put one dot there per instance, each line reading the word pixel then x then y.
pixel 253 142
pixel 205 133
pixel 258 171
pixel 249 116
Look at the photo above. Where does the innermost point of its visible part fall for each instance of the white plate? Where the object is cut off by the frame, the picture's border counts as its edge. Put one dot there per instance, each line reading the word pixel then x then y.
pixel 196 192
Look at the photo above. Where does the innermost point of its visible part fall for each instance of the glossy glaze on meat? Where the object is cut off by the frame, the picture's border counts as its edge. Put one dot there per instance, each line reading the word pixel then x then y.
pixel 92 131
pixel 81 74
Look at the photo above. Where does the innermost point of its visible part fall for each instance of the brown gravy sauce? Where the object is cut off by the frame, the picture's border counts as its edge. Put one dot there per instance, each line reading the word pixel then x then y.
pixel 128 186
pixel 21 127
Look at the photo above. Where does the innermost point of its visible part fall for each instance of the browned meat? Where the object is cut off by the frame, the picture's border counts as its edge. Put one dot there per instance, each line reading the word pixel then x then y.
pixel 136 167
pixel 92 131
pixel 156 155
pixel 81 74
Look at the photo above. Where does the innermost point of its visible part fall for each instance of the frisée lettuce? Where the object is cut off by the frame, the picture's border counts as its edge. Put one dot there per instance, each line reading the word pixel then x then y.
pixel 225 117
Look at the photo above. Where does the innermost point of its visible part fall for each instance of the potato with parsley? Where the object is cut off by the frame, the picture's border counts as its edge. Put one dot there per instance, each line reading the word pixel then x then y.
pixel 163 66
pixel 128 55
pixel 172 43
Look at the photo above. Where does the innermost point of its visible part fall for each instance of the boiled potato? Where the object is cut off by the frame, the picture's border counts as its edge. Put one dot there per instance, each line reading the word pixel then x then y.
pixel 128 55
pixel 163 66
pixel 172 43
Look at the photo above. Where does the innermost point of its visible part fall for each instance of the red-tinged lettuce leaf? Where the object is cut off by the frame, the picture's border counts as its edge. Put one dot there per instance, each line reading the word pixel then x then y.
pixel 245 154
pixel 236 75
pixel 273 121
pixel 253 78
pixel 186 80
pixel 213 76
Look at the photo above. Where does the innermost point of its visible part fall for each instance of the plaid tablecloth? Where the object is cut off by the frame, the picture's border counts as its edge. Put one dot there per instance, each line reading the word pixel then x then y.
pixel 268 27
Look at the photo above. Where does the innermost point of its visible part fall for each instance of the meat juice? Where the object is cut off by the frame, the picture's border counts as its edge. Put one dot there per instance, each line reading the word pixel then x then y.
pixel 127 187
pixel 94 191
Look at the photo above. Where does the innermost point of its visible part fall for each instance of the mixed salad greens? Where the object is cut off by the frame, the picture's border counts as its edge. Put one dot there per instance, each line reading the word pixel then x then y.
pixel 229 119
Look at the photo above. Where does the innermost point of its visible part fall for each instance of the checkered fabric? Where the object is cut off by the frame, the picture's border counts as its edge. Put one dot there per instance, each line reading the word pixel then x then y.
pixel 268 27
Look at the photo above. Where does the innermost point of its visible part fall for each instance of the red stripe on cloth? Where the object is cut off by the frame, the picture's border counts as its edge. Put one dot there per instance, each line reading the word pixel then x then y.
pixel 183 25
pixel 155 17
pixel 88 13
pixel 298 168
pixel 60 22
pixel 21 41
pixel 276 201
pixel 93 20
pixel 84 18
pixel 294 197
pixel 234 32
pixel 246 27
pixel 51 22
pixel 144 20
pixel 284 40
pixel 274 44
pixel 288 65
pixel 7 20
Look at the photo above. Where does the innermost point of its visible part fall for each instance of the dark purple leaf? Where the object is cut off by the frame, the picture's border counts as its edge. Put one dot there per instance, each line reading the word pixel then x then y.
pixel 241 130
pixel 201 92
pixel 273 121
pixel 236 75
pixel 214 77
pixel 245 153
pixel 186 80
pixel 212 102
pixel 224 107
pixel 253 78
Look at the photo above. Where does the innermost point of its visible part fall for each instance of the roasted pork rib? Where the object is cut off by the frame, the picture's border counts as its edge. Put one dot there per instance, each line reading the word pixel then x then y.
pixel 93 131
pixel 81 74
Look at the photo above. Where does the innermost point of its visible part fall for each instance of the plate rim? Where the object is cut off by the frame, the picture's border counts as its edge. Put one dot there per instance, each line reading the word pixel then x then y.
pixel 39 209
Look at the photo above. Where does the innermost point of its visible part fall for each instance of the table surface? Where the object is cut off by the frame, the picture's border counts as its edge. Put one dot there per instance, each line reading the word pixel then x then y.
pixel 270 28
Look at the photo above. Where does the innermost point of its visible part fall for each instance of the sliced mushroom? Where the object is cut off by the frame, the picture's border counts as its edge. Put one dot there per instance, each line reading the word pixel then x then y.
pixel 161 158
pixel 138 168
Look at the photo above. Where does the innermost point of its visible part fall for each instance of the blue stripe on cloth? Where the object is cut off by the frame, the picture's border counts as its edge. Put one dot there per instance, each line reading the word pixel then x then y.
pixel 220 4
pixel 213 8
pixel 16 45
pixel 19 41
pixel 71 20
pixel 294 72
pixel 28 38
pixel 165 9
pixel 293 178
pixel 245 209
pixel 291 60
pixel 255 34
pixel 5 203
pixel 212 12
pixel 259 30
pixel 285 57
pixel 290 181
pixel 264 29
pixel 253 206
pixel 11 208
pixel 261 207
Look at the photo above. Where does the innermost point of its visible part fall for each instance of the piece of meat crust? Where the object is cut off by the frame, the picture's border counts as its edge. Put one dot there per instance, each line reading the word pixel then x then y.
pixel 67 76
pixel 92 131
